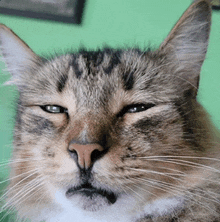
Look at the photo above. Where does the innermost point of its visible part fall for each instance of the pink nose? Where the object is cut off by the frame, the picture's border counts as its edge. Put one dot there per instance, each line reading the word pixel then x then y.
pixel 84 153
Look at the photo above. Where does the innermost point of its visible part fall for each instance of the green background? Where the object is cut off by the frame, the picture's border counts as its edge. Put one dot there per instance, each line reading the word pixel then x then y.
pixel 117 23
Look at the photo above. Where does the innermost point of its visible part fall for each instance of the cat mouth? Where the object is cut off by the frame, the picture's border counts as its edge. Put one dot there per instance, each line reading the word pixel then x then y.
pixel 89 191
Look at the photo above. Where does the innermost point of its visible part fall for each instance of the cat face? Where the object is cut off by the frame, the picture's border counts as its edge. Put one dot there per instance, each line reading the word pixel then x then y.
pixel 97 129
pixel 94 128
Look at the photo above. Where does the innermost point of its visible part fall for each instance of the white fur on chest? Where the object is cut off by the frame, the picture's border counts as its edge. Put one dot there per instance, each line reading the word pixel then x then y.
pixel 124 210
pixel 164 206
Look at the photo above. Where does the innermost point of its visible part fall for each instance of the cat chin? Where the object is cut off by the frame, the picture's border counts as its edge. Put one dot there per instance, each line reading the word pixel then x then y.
pixel 89 203
pixel 82 209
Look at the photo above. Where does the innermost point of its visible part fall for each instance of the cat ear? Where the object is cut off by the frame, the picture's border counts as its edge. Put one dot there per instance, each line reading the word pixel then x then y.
pixel 186 45
pixel 16 54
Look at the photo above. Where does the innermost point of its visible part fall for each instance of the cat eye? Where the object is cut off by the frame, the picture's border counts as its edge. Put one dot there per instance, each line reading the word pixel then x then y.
pixel 135 108
pixel 54 109
pixel 138 108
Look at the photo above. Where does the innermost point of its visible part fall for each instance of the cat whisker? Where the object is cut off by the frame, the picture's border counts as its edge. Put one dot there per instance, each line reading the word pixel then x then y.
pixel 170 188
pixel 17 187
pixel 136 193
pixel 129 180
pixel 182 174
pixel 17 176
pixel 176 177
pixel 10 162
pixel 27 188
pixel 149 171
pixel 184 157
pixel 40 196
pixel 20 196
pixel 185 163
pixel 20 182
pixel 193 164
pixel 154 184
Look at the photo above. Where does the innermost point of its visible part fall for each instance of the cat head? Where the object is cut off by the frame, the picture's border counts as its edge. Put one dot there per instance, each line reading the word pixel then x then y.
pixel 96 126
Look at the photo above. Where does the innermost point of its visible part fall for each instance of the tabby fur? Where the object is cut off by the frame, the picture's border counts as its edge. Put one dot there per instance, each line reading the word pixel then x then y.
pixel 159 156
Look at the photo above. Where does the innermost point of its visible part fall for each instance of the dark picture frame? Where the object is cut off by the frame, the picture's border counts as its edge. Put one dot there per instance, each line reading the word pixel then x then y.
pixel 67 11
pixel 215 4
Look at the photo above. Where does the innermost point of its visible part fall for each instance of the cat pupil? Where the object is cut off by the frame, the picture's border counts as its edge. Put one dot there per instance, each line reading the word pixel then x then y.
pixel 137 109
pixel 54 109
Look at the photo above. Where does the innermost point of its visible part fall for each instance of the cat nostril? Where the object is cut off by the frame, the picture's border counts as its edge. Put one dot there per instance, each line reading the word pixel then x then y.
pixel 73 154
pixel 96 154
pixel 72 151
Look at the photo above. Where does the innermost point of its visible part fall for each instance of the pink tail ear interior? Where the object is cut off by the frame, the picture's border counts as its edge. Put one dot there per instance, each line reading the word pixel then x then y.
pixel 186 45
pixel 15 53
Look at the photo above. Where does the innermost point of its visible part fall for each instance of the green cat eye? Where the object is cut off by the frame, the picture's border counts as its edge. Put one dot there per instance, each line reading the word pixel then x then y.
pixel 53 109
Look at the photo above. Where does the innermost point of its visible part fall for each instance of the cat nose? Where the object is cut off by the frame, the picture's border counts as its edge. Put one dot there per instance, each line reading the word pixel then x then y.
pixel 86 153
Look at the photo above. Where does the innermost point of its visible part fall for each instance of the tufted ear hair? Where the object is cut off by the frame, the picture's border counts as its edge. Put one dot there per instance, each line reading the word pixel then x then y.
pixel 16 54
pixel 186 45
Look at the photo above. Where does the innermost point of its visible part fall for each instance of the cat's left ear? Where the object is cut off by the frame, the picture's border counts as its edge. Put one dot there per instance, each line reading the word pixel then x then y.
pixel 16 54
pixel 186 45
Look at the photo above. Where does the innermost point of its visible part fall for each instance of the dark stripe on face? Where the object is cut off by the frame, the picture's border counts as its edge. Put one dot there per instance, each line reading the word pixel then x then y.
pixel 151 129
pixel 38 125
pixel 128 80
pixel 75 66
pixel 115 60
pixel 93 57
pixel 146 124
pixel 61 82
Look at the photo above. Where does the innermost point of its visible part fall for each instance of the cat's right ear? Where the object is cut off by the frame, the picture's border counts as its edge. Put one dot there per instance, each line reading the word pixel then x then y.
pixel 186 45
pixel 16 54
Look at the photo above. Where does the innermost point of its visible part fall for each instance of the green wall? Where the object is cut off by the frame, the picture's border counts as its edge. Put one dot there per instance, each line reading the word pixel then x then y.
pixel 117 23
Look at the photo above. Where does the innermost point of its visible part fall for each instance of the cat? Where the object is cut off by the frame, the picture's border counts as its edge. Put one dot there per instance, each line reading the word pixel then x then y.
pixel 114 135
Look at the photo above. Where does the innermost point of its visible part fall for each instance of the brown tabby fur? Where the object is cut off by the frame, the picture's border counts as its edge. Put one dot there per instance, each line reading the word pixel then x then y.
pixel 169 151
